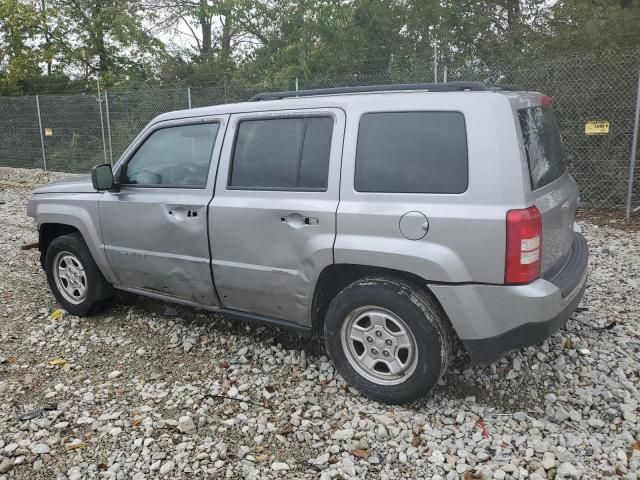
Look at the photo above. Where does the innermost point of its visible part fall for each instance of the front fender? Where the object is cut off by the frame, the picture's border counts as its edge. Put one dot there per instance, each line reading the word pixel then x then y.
pixel 79 211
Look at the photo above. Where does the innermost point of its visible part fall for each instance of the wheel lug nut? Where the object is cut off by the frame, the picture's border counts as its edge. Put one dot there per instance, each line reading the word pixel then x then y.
pixel 378 334
pixel 385 353
pixel 388 342
pixel 374 351
pixel 370 339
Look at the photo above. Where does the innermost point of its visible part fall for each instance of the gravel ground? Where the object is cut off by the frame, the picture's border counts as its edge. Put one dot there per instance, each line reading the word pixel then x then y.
pixel 148 390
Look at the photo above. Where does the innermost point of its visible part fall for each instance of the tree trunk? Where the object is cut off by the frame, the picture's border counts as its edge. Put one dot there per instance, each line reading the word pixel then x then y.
pixel 225 52
pixel 103 58
pixel 45 34
pixel 205 24
pixel 514 14
pixel 97 36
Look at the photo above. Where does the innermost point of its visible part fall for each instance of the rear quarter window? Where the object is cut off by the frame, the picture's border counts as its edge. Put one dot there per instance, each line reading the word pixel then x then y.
pixel 542 144
pixel 412 152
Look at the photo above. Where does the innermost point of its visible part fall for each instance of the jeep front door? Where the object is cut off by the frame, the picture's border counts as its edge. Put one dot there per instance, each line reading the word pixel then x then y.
pixel 154 228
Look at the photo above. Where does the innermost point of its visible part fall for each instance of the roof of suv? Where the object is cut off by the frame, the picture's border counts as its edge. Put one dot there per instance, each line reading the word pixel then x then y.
pixel 430 87
pixel 337 97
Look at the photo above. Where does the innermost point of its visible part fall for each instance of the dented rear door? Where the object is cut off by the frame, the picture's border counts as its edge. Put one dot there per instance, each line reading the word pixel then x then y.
pixel 272 219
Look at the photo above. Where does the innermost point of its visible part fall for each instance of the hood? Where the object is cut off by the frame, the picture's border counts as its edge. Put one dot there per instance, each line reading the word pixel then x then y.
pixel 69 185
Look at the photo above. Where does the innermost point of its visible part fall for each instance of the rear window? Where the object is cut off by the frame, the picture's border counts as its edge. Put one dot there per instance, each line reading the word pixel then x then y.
pixel 543 145
pixel 412 152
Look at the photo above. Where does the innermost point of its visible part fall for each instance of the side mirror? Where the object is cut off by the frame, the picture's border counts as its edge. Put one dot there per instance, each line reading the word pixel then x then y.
pixel 102 177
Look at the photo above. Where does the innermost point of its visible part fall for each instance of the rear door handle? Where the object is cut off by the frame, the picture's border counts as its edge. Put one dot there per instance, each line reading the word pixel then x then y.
pixel 182 212
pixel 296 220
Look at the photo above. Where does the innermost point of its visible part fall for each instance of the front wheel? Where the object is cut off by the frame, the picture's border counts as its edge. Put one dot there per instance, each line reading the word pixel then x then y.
pixel 388 339
pixel 73 276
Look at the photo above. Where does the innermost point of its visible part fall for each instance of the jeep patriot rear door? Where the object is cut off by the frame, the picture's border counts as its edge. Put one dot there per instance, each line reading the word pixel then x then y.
pixel 272 218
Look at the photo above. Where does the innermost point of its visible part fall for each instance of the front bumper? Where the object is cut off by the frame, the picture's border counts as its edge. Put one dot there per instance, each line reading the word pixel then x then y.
pixel 492 320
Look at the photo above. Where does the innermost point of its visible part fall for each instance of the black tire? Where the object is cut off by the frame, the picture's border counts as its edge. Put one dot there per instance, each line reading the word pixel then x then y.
pixel 98 290
pixel 420 314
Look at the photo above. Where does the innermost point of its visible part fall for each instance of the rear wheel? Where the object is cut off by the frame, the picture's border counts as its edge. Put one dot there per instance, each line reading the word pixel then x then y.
pixel 73 276
pixel 388 339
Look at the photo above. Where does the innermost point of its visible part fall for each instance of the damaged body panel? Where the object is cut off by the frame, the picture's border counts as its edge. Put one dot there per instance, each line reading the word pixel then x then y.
pixel 156 246
pixel 154 226
pixel 270 245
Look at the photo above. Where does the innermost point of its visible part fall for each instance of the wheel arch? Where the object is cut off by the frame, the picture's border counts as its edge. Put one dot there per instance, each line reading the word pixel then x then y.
pixel 48 232
pixel 334 278
pixel 51 228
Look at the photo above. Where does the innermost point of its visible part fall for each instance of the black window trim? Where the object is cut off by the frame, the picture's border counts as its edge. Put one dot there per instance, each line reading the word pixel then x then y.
pixel 355 163
pixel 286 116
pixel 156 128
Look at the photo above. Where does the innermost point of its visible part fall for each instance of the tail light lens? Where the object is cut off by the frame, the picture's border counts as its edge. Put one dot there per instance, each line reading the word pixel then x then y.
pixel 524 242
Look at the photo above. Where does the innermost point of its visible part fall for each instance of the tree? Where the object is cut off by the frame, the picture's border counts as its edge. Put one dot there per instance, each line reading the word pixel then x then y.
pixel 211 25
pixel 580 25
pixel 322 37
pixel 19 59
pixel 275 41
pixel 108 38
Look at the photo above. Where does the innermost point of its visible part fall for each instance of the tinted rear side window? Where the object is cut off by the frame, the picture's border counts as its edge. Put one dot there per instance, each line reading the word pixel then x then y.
pixel 282 153
pixel 412 152
pixel 543 145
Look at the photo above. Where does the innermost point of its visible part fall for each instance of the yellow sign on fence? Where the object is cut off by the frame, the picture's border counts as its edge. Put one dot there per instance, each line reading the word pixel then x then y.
pixel 596 127
pixel 48 132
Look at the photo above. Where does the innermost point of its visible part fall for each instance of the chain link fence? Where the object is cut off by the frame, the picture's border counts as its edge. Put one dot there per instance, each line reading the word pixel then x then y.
pixel 82 130
pixel 20 144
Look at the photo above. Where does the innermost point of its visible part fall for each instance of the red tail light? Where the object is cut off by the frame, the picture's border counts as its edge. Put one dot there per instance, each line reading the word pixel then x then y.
pixel 545 100
pixel 524 243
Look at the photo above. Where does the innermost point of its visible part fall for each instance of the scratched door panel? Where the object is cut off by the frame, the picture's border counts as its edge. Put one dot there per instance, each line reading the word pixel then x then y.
pixel 155 237
pixel 269 244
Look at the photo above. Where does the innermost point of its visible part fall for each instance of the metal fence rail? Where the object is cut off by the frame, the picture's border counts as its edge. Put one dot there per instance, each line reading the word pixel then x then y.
pixel 72 133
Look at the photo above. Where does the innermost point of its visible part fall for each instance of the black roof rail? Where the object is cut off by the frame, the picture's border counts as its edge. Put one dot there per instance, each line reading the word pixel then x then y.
pixel 431 87
pixel 506 88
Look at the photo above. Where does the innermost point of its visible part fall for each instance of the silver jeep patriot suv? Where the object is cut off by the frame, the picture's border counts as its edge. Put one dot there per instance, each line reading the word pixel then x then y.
pixel 396 221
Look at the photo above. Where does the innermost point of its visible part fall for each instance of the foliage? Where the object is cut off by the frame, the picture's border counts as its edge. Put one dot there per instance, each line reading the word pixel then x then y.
pixel 108 38
pixel 58 45
pixel 19 60
pixel 61 44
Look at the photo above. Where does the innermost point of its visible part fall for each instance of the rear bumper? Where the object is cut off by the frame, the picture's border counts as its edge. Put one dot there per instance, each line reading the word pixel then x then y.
pixel 492 320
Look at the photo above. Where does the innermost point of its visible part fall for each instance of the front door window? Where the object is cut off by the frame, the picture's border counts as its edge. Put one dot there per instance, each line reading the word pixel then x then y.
pixel 173 157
